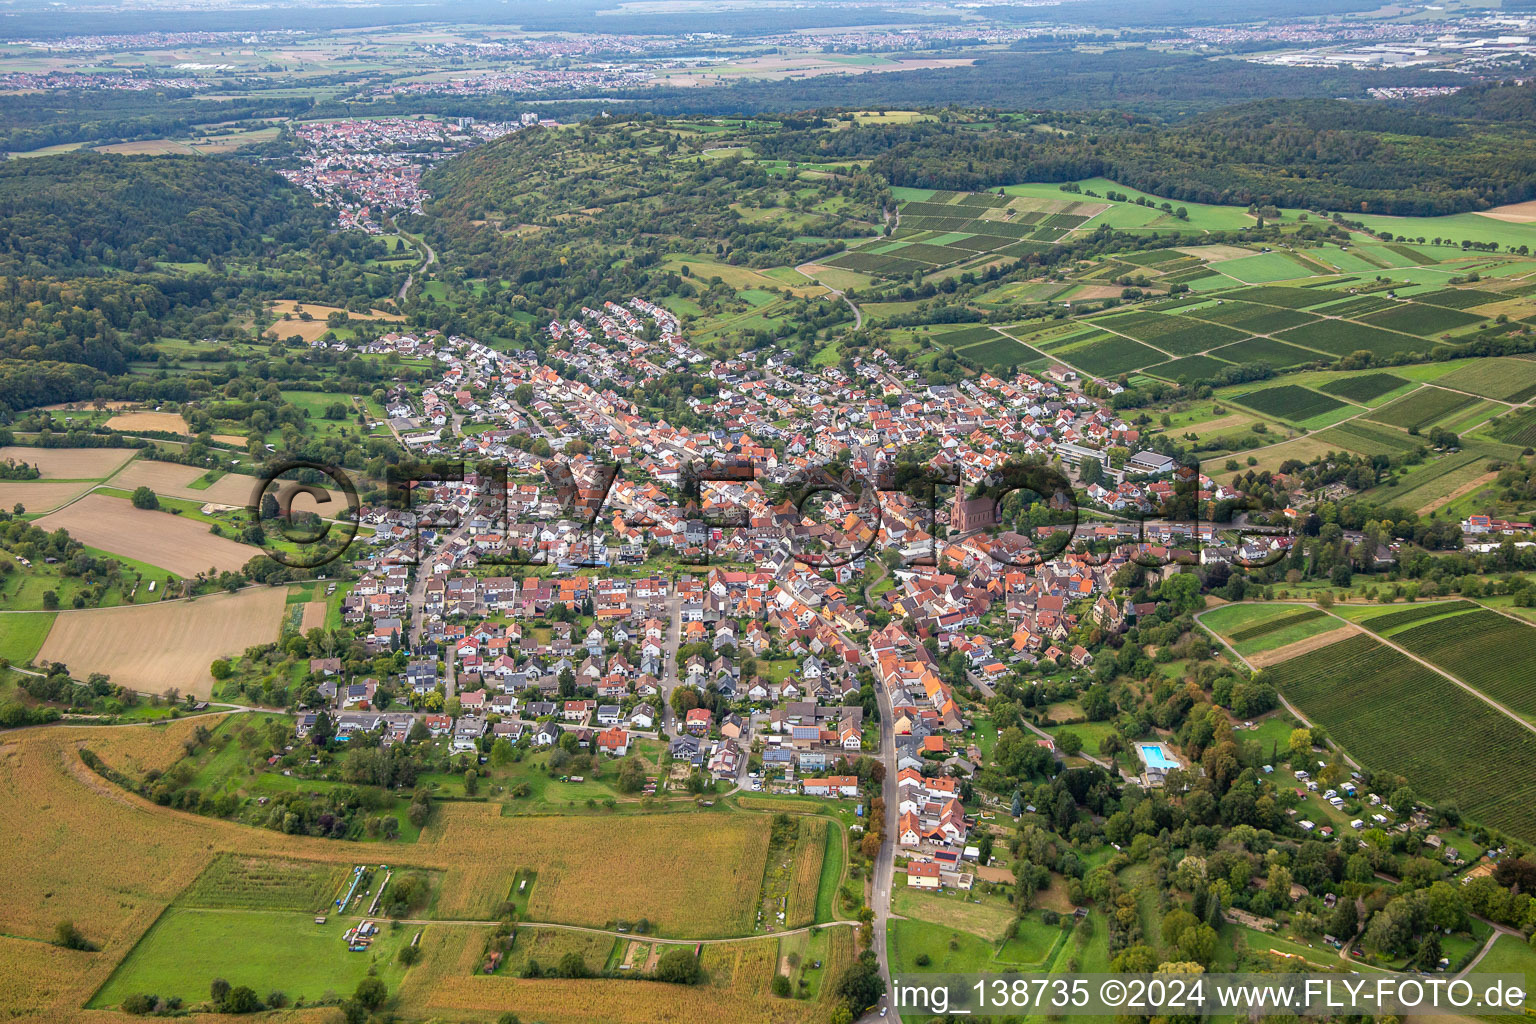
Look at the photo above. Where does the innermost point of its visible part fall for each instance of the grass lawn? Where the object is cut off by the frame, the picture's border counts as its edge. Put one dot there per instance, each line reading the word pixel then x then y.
pixel 948 951
pixel 22 635
pixel 832 866
pixel 269 951
pixel 1510 956
pixel 953 909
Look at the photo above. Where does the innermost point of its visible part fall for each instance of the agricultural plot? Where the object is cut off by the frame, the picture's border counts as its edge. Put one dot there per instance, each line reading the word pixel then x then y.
pixel 805 882
pixel 547 946
pixel 169 479
pixel 1267 350
pixel 1421 408
pixel 1001 353
pixel 1458 298
pixel 1356 306
pixel 1427 487
pixel 287 952
pixel 962 337
pixel 1413 613
pixel 1190 368
pixel 152 647
pixel 446 986
pixel 1483 648
pixel 1502 378
pixel 1364 387
pixel 1289 402
pixel 1176 335
pixel 239 882
pixel 1343 337
pixel 183 546
pixel 671 869
pixel 1453 747
pixel 69 463
pixel 948 229
pixel 1413 318
pixel 1517 428
pixel 1365 439
pixel 1108 357
pixel 1251 317
pixel 1286 298
pixel 1271 625
pixel 1265 267
pixel 22 635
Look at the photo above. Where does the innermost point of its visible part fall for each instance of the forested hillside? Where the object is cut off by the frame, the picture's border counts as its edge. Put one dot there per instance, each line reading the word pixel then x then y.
pixel 1320 154
pixel 82 211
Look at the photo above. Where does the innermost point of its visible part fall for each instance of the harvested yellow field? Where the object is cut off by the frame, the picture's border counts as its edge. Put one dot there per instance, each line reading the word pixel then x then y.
pixel 314 616
pixel 138 751
pixel 1271 456
pixel 57 815
pixel 1513 213
pixel 312 329
pixel 151 647
pixel 170 422
pixel 235 439
pixel 151 147
pixel 69 463
pixel 445 985
pixel 35 496
pixel 175 481
pixel 182 546
pixel 687 875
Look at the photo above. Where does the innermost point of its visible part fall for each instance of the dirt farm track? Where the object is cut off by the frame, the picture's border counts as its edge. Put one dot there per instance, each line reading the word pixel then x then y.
pixel 151 647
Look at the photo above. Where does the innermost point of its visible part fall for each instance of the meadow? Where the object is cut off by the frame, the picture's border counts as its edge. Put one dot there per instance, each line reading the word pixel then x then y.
pixel 269 951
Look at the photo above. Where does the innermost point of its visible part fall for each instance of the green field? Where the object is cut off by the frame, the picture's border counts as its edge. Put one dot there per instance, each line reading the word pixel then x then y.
pixel 1451 747
pixel 235 882
pixel 1289 402
pixel 1509 380
pixel 1364 387
pixel 1510 955
pixel 1413 318
pixel 1267 350
pixel 1190 368
pixel 1421 408
pixel 1431 481
pixel 1343 337
pixel 1490 651
pixel 1517 428
pixel 268 951
pixel 1108 357
pixel 22 635
pixel 1368 439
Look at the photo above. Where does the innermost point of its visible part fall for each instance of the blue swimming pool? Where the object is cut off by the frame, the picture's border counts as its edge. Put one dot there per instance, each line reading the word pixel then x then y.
pixel 1152 753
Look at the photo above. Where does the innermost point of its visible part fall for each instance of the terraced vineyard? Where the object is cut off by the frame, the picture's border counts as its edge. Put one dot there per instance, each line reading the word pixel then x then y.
pixel 1393 714
pixel 1484 649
